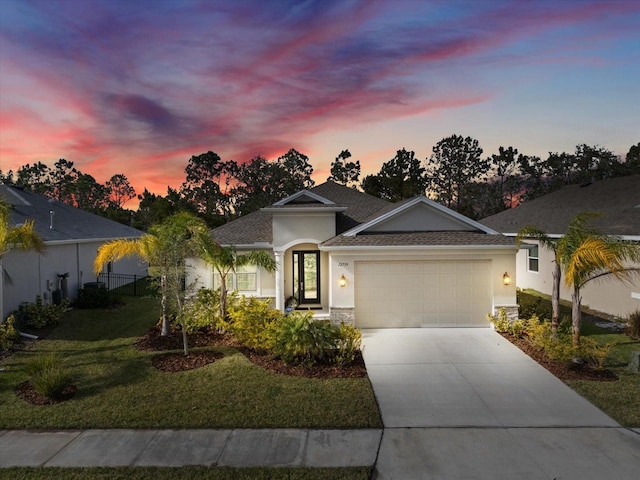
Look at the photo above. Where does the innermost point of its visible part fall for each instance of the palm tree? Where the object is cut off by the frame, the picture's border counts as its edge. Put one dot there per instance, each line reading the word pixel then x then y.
pixel 226 260
pixel 550 244
pixel 165 248
pixel 587 254
pixel 22 236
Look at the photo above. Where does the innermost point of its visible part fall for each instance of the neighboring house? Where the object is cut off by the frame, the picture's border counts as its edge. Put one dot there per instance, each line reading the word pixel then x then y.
pixel 72 237
pixel 355 258
pixel 617 199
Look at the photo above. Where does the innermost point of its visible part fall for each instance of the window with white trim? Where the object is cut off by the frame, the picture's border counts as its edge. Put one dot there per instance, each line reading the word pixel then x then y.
pixel 247 278
pixel 533 259
pixel 229 281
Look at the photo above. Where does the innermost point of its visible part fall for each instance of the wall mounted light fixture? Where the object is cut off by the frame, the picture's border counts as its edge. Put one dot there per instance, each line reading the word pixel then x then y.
pixel 506 279
pixel 343 281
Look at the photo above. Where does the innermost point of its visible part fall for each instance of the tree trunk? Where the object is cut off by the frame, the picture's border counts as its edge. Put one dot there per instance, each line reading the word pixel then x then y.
pixel 223 297
pixel 185 343
pixel 576 316
pixel 165 318
pixel 555 300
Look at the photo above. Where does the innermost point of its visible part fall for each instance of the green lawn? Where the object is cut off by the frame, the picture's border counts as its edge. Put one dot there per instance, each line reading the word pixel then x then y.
pixel 119 388
pixel 192 473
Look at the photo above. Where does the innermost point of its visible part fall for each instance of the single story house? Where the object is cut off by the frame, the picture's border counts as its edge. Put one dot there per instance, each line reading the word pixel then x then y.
pixel 72 237
pixel 617 199
pixel 351 257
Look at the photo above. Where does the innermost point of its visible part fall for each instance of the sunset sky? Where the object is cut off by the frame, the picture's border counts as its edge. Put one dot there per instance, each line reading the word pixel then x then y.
pixel 138 87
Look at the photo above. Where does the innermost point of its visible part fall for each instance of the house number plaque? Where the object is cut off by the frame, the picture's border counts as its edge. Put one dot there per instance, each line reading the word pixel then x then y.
pixel 343 264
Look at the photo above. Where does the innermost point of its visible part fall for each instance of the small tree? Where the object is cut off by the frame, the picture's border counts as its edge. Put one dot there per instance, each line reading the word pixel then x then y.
pixel 22 236
pixel 226 260
pixel 165 248
pixel 587 254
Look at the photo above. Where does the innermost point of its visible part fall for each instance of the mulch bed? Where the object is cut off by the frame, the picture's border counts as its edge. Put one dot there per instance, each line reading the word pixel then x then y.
pixel 177 361
pixel 562 370
pixel 26 392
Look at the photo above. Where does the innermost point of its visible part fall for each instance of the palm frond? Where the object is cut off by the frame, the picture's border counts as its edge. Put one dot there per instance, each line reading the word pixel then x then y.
pixel 117 249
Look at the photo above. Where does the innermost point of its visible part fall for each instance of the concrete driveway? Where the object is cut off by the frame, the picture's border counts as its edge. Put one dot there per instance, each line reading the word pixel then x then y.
pixel 465 403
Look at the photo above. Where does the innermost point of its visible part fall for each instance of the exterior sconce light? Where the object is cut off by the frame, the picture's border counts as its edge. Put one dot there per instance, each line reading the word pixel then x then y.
pixel 343 281
pixel 506 279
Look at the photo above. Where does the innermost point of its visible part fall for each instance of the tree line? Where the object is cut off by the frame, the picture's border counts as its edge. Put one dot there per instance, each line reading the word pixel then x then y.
pixel 456 174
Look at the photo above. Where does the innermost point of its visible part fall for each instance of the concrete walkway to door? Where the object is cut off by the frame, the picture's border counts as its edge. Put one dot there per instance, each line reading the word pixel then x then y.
pixel 466 403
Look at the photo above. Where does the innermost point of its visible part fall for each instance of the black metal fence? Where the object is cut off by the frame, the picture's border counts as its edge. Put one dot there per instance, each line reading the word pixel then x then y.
pixel 123 284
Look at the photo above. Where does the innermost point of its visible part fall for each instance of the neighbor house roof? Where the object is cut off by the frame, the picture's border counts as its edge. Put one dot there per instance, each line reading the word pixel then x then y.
pixel 618 199
pixel 57 222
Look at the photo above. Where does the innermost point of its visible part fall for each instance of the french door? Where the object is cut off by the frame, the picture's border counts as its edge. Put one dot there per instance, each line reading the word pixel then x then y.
pixel 306 276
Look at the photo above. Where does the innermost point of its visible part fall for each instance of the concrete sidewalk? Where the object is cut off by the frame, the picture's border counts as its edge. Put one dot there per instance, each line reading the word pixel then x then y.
pixel 172 448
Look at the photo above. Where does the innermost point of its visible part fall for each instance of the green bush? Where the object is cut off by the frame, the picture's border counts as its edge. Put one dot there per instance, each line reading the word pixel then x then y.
pixel 561 346
pixel 254 322
pixel 49 376
pixel 203 311
pixel 94 297
pixel 349 342
pixel 502 324
pixel 633 324
pixel 38 314
pixel 301 340
pixel 8 333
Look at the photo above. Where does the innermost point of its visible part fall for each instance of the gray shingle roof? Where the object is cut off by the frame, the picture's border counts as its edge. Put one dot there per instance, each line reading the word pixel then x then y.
pixel 256 227
pixel 419 239
pixel 618 199
pixel 360 207
pixel 69 223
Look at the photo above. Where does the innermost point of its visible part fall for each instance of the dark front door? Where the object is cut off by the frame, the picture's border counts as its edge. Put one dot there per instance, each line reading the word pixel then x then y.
pixel 306 276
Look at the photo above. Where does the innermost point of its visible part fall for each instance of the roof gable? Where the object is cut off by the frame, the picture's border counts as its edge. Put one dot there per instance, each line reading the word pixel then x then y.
pixel 303 198
pixel 419 214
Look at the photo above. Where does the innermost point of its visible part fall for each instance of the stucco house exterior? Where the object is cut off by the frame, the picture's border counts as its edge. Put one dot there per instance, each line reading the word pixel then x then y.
pixel 351 257
pixel 72 237
pixel 617 199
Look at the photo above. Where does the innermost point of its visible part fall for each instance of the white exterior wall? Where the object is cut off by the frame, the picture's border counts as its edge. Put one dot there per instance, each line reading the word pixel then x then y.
pixel 344 264
pixel 607 295
pixel 201 274
pixel 291 227
pixel 32 274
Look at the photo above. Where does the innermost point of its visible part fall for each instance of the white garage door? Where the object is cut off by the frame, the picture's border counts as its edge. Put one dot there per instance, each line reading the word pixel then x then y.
pixel 422 294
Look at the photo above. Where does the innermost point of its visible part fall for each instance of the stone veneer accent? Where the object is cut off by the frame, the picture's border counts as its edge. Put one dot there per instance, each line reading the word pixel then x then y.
pixel 338 315
pixel 511 310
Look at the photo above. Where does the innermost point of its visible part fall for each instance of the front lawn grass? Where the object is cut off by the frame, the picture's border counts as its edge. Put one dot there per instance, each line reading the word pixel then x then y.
pixel 192 473
pixel 119 388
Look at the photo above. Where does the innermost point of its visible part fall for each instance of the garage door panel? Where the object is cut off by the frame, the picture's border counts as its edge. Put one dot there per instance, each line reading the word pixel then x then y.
pixel 422 294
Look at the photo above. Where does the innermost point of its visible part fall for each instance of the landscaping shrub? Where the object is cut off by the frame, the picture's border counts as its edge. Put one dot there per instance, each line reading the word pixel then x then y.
pixel 502 324
pixel 349 342
pixel 202 311
pixel 8 333
pixel 38 314
pixel 49 376
pixel 561 346
pixel 633 324
pixel 94 297
pixel 301 340
pixel 254 322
